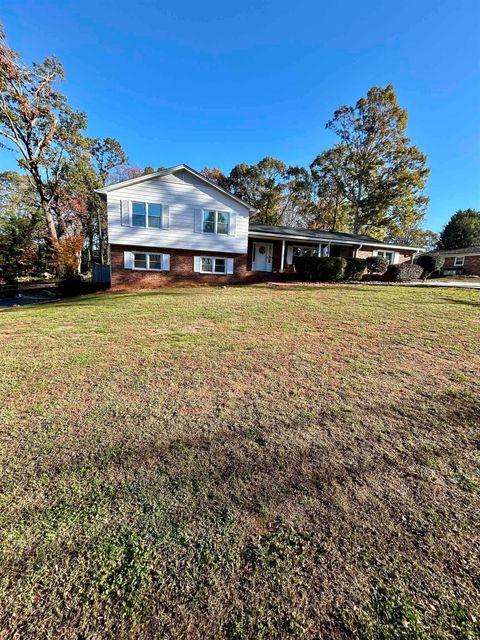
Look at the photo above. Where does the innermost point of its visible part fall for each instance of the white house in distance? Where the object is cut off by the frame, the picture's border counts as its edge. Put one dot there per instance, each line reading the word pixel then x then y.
pixel 177 227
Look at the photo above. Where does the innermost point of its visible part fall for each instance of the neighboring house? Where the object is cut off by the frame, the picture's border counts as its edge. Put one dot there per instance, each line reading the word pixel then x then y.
pixel 178 227
pixel 462 261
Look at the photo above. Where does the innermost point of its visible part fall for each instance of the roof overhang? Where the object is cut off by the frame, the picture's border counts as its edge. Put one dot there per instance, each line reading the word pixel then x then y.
pixel 318 239
pixel 169 171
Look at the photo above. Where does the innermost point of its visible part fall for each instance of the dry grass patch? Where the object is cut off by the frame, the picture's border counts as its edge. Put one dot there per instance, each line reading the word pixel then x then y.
pixel 247 462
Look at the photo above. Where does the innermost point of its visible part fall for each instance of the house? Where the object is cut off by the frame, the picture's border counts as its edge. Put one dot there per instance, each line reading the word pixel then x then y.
pixel 464 261
pixel 177 227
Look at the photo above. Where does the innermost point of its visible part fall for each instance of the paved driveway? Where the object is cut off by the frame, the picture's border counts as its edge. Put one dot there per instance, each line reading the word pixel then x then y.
pixel 39 297
pixel 456 284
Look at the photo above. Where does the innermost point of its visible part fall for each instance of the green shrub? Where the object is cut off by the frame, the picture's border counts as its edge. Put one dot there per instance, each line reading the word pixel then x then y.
pixel 315 269
pixel 403 272
pixel 376 264
pixel 355 268
pixel 430 262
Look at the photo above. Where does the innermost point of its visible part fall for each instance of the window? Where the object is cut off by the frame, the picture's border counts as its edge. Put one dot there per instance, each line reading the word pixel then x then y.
pixel 388 255
pixel 140 260
pixel 459 261
pixel 155 216
pixel 138 214
pixel 213 265
pixel 305 251
pixel 216 222
pixel 209 222
pixel 146 215
pixel 148 261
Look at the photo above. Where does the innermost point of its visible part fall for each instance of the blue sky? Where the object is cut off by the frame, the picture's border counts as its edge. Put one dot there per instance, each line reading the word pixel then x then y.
pixel 217 83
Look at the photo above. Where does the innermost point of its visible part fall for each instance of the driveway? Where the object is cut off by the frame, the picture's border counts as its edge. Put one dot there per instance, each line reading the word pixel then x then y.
pixel 455 284
pixel 38 297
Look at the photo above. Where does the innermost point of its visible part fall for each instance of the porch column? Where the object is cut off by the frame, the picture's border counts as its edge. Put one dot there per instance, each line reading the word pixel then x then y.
pixel 320 250
pixel 282 259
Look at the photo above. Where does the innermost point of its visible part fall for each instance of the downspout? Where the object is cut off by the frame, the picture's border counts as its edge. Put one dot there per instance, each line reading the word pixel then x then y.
pixel 358 249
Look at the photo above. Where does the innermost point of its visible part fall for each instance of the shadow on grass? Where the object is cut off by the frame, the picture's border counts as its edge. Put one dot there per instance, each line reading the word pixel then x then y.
pixel 469 303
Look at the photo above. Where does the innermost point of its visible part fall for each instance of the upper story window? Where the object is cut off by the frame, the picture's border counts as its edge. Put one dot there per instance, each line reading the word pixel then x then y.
pixel 147 215
pixel 155 216
pixel 459 261
pixel 138 214
pixel 216 222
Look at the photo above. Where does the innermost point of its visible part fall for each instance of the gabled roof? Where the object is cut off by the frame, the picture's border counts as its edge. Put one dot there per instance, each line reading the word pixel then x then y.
pixel 166 172
pixel 318 234
pixel 464 251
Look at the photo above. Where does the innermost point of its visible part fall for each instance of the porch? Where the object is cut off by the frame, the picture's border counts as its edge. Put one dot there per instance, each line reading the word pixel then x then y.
pixel 274 255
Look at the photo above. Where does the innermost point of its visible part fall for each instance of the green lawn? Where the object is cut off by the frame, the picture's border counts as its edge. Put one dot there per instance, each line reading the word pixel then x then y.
pixel 242 463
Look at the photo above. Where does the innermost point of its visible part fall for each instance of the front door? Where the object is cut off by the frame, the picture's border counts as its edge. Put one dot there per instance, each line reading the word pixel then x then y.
pixel 262 256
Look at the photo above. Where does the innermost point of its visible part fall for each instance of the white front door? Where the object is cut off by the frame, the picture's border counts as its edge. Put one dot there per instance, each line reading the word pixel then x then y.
pixel 262 256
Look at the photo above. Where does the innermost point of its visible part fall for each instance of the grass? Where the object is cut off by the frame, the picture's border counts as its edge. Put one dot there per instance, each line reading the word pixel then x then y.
pixel 242 463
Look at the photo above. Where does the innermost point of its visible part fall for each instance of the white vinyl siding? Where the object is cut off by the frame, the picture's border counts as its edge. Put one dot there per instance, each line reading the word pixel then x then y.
pixel 181 199
pixel 213 265
pixel 146 261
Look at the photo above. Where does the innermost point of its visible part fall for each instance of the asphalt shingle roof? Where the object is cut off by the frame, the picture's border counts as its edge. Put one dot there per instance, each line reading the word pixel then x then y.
pixel 464 251
pixel 314 233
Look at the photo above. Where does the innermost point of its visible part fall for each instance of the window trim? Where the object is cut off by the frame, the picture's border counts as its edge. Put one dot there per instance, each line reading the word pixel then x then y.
pixel 459 264
pixel 213 272
pixel 146 205
pixel 381 254
pixel 310 247
pixel 215 231
pixel 147 254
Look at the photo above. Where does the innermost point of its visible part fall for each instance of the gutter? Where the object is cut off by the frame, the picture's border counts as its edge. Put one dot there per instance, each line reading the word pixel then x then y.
pixel 259 234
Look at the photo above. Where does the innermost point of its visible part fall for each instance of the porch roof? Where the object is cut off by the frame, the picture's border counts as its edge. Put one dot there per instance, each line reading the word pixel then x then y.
pixel 335 237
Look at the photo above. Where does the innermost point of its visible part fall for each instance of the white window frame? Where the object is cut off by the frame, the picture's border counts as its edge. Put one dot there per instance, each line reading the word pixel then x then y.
pixel 148 254
pixel 214 259
pixel 146 226
pixel 215 231
pixel 459 264
pixel 312 247
pixel 381 254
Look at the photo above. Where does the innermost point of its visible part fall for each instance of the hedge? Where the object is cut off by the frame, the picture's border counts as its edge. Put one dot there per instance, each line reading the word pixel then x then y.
pixel 430 263
pixel 403 272
pixel 377 264
pixel 313 269
pixel 355 268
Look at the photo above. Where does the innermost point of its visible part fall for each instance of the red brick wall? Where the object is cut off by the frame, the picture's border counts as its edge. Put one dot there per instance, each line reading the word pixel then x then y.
pixel 181 269
pixel 404 256
pixel 471 266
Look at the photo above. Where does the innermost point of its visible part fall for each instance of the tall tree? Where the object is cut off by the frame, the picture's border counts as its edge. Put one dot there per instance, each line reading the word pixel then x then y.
pixel 413 236
pixel 216 176
pixel 106 155
pixel 21 247
pixel 462 230
pixel 275 190
pixel 375 166
pixel 328 208
pixel 37 122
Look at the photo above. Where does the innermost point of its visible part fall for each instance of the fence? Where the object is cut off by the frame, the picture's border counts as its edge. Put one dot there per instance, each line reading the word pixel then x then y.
pixel 101 273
